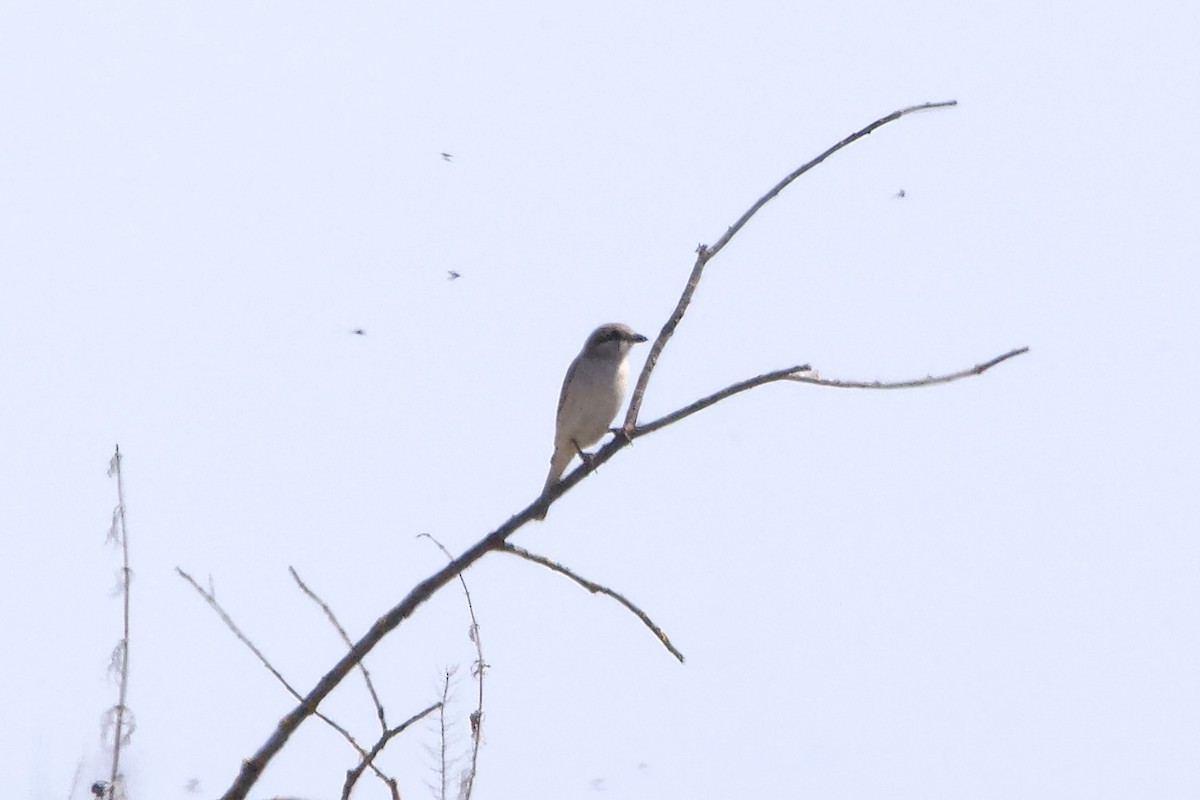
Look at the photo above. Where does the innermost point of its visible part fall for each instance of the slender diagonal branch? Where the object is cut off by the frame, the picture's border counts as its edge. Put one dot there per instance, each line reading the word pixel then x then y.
pixel 705 253
pixel 244 639
pixel 362 667
pixel 729 391
pixel 233 627
pixel 596 588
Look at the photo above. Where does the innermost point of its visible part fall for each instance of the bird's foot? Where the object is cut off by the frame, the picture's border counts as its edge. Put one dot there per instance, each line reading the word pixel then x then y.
pixel 621 433
pixel 586 458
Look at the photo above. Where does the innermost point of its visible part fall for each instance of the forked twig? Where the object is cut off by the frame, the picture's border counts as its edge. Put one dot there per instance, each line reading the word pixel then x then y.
pixel 368 758
pixel 596 588
pixel 211 599
pixel 705 253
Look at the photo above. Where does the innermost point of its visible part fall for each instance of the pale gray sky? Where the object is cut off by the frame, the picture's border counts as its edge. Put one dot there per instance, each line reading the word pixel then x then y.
pixel 986 590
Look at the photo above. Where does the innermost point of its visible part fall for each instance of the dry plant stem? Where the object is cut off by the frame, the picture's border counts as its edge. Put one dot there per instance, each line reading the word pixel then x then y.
pixel 122 535
pixel 596 588
pixel 252 768
pixel 443 766
pixel 705 253
pixel 468 783
pixel 345 638
pixel 229 623
pixel 353 775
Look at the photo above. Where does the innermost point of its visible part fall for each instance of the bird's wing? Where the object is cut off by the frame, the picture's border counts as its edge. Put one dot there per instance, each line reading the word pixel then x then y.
pixel 562 394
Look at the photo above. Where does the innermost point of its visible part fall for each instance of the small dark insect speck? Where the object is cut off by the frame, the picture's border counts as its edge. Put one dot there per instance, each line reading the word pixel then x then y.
pixel 453 275
pixel 359 331
pixel 899 195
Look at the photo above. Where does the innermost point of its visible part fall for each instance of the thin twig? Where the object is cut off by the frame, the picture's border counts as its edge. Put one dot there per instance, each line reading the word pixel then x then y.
pixel 800 375
pixel 596 588
pixel 705 253
pixel 243 638
pixel 120 660
pixel 468 781
pixel 929 380
pixel 443 765
pixel 346 639
pixel 229 623
pixel 353 775
pixel 253 767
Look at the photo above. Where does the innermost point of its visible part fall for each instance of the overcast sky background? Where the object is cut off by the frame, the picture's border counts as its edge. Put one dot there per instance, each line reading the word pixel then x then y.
pixel 989 589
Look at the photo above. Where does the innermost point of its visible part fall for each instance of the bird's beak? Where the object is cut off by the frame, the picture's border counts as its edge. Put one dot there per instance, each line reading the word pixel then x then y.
pixel 637 338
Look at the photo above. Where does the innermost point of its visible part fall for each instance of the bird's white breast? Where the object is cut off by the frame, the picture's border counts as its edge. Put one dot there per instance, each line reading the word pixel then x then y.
pixel 592 400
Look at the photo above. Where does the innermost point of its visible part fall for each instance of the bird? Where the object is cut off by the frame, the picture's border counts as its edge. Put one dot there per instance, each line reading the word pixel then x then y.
pixel 447 156
pixel 592 393
pixel 453 275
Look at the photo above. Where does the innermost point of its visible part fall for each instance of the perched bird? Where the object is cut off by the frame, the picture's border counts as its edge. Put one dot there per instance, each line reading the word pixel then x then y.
pixel 592 394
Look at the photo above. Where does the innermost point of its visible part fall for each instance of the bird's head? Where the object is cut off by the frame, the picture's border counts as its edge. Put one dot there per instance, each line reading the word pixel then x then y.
pixel 612 340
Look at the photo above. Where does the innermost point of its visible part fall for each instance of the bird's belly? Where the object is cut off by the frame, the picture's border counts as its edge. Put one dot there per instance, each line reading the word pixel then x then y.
pixel 588 414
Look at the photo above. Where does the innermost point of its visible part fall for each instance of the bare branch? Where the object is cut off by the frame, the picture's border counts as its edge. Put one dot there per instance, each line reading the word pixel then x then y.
pixel 929 380
pixel 253 767
pixel 346 639
pixel 353 775
pixel 716 397
pixel 229 623
pixel 798 375
pixel 705 253
pixel 596 588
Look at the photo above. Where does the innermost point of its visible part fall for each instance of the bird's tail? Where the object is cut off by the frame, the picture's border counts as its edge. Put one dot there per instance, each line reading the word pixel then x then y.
pixel 558 465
